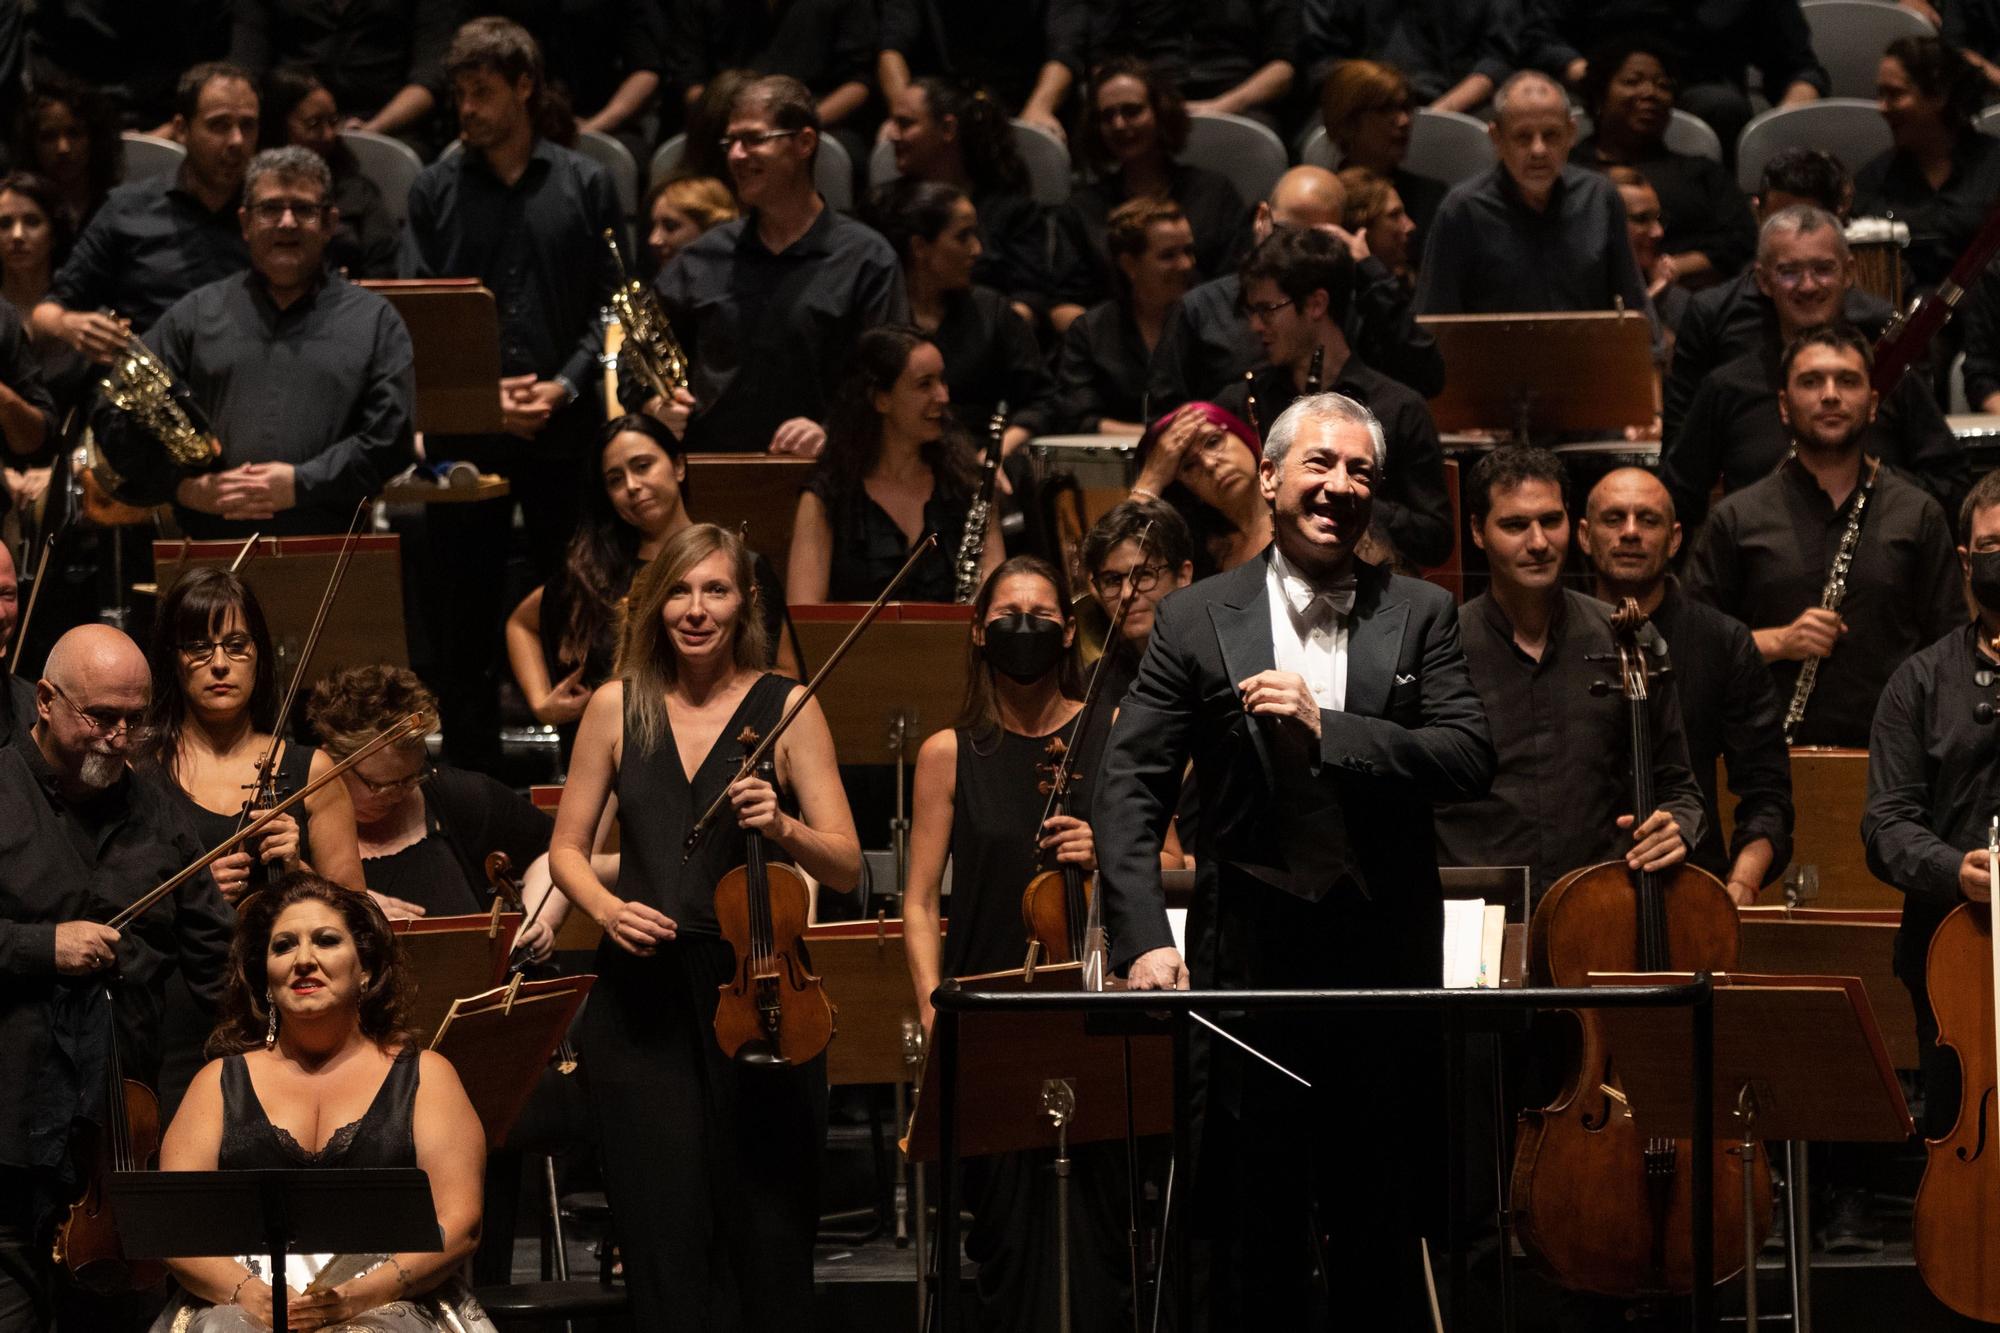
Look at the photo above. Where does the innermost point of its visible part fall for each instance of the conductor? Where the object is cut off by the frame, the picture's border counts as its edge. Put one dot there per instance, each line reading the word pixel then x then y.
pixel 1326 705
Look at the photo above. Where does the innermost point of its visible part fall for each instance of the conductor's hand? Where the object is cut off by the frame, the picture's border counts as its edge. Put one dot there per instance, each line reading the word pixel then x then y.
pixel 100 337
pixel 1813 634
pixel 232 875
pixel 1657 843
pixel 1157 969
pixel 637 928
pixel 280 844
pixel 1069 838
pixel 84 947
pixel 1974 880
pixel 396 909
pixel 756 804
pixel 800 437
pixel 1281 694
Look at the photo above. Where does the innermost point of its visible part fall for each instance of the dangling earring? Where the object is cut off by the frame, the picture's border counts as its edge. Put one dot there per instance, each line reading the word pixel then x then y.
pixel 271 1028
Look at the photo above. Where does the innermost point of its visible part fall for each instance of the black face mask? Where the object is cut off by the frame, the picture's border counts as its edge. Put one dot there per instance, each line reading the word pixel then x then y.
pixel 1986 578
pixel 1024 647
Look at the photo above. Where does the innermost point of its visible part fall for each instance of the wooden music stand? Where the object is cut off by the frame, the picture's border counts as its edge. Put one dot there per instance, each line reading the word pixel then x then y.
pixel 1591 372
pixel 501 1040
pixel 455 330
pixel 864 967
pixel 1829 792
pixel 1797 1059
pixel 757 490
pixel 455 956
pixel 289 576
pixel 1836 942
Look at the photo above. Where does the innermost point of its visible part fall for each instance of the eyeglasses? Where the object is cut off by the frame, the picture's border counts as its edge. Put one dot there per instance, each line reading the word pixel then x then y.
pixel 1824 272
pixel 752 138
pixel 1109 581
pixel 237 648
pixel 107 721
pixel 1264 309
pixel 271 212
pixel 397 786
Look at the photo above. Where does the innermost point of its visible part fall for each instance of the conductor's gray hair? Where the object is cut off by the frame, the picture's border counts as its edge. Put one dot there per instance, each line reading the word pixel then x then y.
pixel 1802 220
pixel 292 163
pixel 1324 407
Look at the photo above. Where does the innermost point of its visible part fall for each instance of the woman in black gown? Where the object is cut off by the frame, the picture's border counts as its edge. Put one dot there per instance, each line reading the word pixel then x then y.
pixel 714 1186
pixel 978 797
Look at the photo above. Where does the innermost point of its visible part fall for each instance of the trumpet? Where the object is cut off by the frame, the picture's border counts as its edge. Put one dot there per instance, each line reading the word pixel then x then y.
pixel 650 349
pixel 140 385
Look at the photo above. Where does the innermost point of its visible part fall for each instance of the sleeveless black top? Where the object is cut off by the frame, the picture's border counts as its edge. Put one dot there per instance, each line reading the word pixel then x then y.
pixel 294 771
pixel 868 547
pixel 993 852
pixel 385 1135
pixel 657 807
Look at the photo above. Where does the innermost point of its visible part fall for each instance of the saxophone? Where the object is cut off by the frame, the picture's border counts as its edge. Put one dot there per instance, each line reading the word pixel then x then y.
pixel 650 349
pixel 140 385
pixel 1830 598
pixel 972 541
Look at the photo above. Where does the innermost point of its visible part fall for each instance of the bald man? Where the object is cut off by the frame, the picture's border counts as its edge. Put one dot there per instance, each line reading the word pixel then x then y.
pixel 1533 233
pixel 18 699
pixel 1729 707
pixel 81 838
pixel 1209 344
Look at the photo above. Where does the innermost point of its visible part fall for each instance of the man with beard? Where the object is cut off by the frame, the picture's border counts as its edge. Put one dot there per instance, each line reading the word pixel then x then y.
pixel 85 837
pixel 1728 707
pixel 1325 704
pixel 1732 430
pixel 1768 549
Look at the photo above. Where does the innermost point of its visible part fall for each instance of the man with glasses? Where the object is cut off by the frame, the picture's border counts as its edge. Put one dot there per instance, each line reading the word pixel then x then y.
pixel 306 379
pixel 768 307
pixel 85 838
pixel 1734 428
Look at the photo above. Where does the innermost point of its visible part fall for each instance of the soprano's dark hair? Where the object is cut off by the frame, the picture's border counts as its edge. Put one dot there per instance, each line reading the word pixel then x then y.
pixel 1839 337
pixel 979 713
pixel 1505 468
pixel 196 608
pixel 385 1000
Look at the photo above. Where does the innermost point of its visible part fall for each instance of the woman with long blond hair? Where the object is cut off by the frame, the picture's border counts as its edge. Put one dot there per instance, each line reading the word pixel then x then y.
pixel 715 1197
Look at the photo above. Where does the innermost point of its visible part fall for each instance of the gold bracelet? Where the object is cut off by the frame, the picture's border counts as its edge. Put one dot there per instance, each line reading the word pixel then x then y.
pixel 248 1278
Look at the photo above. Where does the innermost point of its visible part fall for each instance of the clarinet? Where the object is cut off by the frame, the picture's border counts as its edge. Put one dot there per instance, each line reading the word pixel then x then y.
pixel 1250 402
pixel 1830 598
pixel 1315 370
pixel 972 541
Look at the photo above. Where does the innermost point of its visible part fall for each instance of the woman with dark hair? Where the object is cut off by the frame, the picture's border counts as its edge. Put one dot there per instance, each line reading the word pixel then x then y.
pixel 990 355
pixel 563 636
pixel 1942 175
pixel 1106 356
pixel 298 109
pixel 69 135
pixel 717 1161
pixel 35 236
pixel 895 467
pixel 314 1067
pixel 978 805
pixel 1133 130
pixel 1629 92
pixel 1368 111
pixel 1202 460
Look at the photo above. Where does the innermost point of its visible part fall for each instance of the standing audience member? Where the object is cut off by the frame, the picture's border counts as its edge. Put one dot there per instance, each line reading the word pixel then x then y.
pixel 69 136
pixel 383 60
pixel 1453 52
pixel 1106 356
pixel 299 110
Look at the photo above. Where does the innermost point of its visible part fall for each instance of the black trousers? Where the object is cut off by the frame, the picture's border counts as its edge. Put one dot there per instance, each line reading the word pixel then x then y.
pixel 27 1303
pixel 711 1167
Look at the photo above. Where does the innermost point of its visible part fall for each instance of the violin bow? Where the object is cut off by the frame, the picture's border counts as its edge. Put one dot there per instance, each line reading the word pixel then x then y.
pixel 415 725
pixel 756 756
pixel 28 616
pixel 249 545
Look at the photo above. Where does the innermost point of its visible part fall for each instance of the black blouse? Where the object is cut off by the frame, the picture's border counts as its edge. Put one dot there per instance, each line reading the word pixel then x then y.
pixel 1942 221
pixel 1700 207
pixel 990 355
pixel 1214 209
pixel 466 816
pixel 868 547
pixel 1102 370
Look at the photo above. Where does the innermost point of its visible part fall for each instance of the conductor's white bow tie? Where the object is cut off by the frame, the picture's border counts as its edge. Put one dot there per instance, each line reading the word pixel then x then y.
pixel 1309 601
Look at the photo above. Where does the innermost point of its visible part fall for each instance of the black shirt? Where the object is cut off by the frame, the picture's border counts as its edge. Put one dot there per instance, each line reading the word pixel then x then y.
pixel 1943 221
pixel 1733 430
pixel 467 816
pixel 1101 370
pixel 1701 208
pixel 1437 44
pixel 868 547
pixel 1016 240
pixel 1980 316
pixel 1730 712
pixel 1411 506
pixel 21 371
pixel 1565 753
pixel 69 860
pixel 1207 343
pixel 538 245
pixel 821 43
pixel 132 53
pixel 151 243
pixel 1489 253
pixel 591 46
pixel 326 384
pixel 1214 210
pixel 1001 47
pixel 1206 46
pixel 1716 38
pixel 990 355
pixel 1764 558
pixel 364 51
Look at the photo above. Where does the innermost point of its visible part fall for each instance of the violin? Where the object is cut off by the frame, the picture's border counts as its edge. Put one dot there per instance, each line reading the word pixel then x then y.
pixel 773 1010
pixel 1956 1225
pixel 506 886
pixel 88 1242
pixel 1602 1207
pixel 1055 907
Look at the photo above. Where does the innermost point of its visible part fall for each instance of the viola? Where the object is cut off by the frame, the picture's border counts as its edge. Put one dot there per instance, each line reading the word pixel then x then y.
pixel 506 886
pixel 1599 1205
pixel 1055 907
pixel 88 1242
pixel 773 1010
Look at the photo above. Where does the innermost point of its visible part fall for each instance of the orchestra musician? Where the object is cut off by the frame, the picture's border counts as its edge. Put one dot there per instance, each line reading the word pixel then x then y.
pixel 18 697
pixel 714 1163
pixel 1933 765
pixel 316 1068
pixel 1201 460
pixel 86 837
pixel 1326 706
pixel 980 790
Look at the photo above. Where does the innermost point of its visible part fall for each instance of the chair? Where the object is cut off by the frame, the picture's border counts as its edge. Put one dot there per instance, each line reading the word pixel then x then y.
pixel 148 155
pixel 1250 155
pixel 1848 36
pixel 1317 150
pixel 833 170
pixel 1690 134
pixel 1848 127
pixel 389 162
pixel 1988 121
pixel 617 159
pixel 557 1298
pixel 1042 153
pixel 667 159
pixel 1448 146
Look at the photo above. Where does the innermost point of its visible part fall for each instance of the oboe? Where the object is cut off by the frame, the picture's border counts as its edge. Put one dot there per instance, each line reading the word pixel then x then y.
pixel 972 541
pixel 1830 598
pixel 1250 401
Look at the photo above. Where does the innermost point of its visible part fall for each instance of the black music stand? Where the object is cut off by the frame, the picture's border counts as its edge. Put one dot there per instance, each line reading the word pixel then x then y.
pixel 337 1210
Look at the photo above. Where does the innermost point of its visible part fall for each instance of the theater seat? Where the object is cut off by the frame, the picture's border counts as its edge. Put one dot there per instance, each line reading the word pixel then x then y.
pixel 1041 153
pixel 1691 135
pixel 833 169
pixel 392 164
pixel 1244 150
pixel 148 155
pixel 1848 127
pixel 1448 146
pixel 1849 37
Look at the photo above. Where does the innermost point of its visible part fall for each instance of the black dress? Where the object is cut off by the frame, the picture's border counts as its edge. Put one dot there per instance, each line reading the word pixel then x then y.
pixel 715 1186
pixel 868 547
pixel 466 816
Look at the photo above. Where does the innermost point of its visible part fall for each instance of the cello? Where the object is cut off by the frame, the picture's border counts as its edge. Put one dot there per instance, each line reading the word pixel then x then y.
pixel 1602 1207
pixel 88 1242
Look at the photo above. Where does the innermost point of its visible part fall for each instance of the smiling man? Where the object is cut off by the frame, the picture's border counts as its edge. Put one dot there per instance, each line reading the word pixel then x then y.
pixel 1326 706
pixel 306 379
